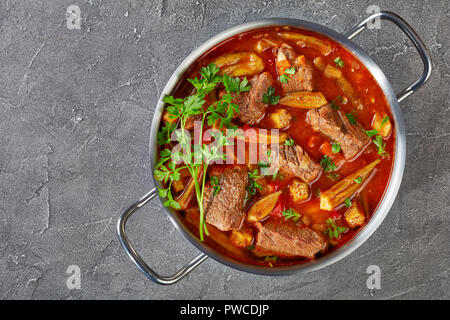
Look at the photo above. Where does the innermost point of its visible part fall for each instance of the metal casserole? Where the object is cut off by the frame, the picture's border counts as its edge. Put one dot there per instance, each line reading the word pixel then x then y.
pixel 388 198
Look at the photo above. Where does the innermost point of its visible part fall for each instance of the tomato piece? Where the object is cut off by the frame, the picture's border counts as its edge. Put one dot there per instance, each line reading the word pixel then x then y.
pixel 326 149
pixel 335 214
pixel 277 211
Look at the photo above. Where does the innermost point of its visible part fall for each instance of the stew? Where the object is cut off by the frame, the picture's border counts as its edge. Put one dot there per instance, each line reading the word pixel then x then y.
pixel 276 146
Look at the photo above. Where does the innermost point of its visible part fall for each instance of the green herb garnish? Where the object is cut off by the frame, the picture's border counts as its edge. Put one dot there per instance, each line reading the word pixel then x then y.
pixel 384 121
pixel 338 61
pixel 290 70
pixel 327 164
pixel 335 147
pixel 381 145
pixel 215 184
pixel 333 176
pixel 333 230
pixel 351 118
pixel 289 142
pixel 358 180
pixel 252 184
pixel 270 98
pixel 288 214
pixel 371 133
pixel 284 78
pixel 348 202
pixel 196 157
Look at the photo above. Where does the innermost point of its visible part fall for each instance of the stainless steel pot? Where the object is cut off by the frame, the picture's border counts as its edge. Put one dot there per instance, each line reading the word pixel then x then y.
pixel 394 183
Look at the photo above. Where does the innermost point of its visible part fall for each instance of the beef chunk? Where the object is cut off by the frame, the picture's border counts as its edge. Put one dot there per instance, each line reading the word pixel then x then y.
pixel 336 126
pixel 287 239
pixel 251 106
pixel 225 210
pixel 302 80
pixel 293 160
pixel 256 106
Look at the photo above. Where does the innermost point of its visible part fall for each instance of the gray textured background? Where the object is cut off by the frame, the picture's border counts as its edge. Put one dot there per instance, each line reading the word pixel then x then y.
pixel 76 107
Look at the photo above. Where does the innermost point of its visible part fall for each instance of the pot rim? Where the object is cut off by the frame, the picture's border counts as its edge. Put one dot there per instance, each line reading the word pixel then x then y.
pixel 399 154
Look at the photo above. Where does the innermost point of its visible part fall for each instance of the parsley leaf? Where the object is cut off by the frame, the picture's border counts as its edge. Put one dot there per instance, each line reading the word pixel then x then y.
pixel 288 214
pixel 333 230
pixel 371 133
pixel 284 78
pixel 351 118
pixel 215 184
pixel 270 98
pixel 384 121
pixel 358 180
pixel 252 184
pixel 348 203
pixel 338 61
pixel 328 164
pixel 289 142
pixel 381 145
pixel 335 147
pixel 333 176
pixel 290 70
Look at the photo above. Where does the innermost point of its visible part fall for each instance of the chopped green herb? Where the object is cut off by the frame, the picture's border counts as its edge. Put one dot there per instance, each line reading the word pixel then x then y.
pixel 351 118
pixel 270 98
pixel 348 202
pixel 371 133
pixel 290 70
pixel 252 184
pixel 384 121
pixel 381 145
pixel 288 214
pixel 339 62
pixel 333 176
pixel 271 258
pixel 328 164
pixel 215 184
pixel 358 180
pixel 335 147
pixel 284 78
pixel 262 164
pixel 289 142
pixel 334 105
pixel 333 230
pixel 251 247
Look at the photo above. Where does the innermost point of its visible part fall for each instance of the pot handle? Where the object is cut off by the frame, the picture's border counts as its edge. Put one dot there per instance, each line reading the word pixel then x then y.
pixel 136 258
pixel 413 36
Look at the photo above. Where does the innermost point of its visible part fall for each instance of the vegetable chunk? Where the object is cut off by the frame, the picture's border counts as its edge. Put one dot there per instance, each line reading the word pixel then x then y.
pixel 299 190
pixel 345 188
pixel 281 118
pixel 354 215
pixel 263 207
pixel 241 238
pixel 240 64
pixel 323 47
pixel 304 100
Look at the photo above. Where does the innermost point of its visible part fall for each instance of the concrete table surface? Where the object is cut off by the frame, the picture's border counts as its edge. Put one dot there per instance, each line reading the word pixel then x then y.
pixel 76 107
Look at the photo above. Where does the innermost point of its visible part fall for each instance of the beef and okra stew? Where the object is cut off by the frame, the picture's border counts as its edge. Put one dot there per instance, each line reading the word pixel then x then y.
pixel 275 147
